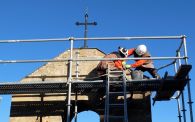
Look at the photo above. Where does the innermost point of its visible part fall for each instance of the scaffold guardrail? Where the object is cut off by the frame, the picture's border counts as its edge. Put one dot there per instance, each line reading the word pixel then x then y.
pixel 176 58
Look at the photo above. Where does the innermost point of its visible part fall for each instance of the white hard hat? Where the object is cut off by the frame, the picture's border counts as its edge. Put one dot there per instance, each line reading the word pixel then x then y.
pixel 123 51
pixel 141 49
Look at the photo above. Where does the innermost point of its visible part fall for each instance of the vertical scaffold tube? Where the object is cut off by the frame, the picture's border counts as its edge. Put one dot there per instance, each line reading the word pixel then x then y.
pixel 178 99
pixel 77 65
pixel 69 80
pixel 188 83
pixel 75 114
pixel 182 95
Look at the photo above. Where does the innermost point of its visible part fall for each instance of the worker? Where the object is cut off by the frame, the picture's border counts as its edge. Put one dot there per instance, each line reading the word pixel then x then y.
pixel 142 64
pixel 114 64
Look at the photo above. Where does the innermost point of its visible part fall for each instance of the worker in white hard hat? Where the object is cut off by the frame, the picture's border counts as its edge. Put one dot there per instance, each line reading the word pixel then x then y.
pixel 143 64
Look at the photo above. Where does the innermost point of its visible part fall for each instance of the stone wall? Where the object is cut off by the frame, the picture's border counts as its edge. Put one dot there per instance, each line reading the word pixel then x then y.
pixel 138 105
pixel 58 71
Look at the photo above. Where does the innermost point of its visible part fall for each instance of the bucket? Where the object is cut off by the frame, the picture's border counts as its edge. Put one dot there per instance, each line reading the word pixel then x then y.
pixel 137 75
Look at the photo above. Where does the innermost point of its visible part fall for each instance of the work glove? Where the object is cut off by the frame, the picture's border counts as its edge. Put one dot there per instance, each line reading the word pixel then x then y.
pixel 126 66
pixel 124 63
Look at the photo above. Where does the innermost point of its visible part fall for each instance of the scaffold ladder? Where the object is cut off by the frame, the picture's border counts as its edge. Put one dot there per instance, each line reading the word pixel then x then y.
pixel 115 78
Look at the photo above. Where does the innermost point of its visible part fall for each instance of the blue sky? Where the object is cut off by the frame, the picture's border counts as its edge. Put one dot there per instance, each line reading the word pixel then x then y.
pixel 30 19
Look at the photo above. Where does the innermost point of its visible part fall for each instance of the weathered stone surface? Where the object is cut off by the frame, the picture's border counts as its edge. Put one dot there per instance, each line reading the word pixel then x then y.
pixel 58 71
pixel 138 104
pixel 35 119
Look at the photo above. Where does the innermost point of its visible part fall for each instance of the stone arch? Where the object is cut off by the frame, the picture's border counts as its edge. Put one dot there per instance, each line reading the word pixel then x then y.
pixel 88 116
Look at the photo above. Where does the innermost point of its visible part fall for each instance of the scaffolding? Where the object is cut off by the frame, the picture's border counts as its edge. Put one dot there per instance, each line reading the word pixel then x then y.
pixel 165 87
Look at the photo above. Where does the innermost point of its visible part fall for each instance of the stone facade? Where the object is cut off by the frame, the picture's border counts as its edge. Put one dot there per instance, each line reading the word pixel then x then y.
pixel 138 105
pixel 58 71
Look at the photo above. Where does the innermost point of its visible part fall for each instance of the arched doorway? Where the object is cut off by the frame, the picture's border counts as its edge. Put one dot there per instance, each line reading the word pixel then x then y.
pixel 87 116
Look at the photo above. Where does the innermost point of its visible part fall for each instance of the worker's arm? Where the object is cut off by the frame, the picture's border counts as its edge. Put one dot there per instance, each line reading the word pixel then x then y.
pixel 118 64
pixel 138 63
pixel 130 51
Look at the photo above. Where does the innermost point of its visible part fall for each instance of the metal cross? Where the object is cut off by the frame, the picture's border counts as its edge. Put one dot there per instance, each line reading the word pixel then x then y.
pixel 85 24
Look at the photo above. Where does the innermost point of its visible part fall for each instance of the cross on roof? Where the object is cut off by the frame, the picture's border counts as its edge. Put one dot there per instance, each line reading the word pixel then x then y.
pixel 86 23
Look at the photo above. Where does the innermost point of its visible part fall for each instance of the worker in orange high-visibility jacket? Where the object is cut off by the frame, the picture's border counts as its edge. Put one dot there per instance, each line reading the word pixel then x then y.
pixel 143 64
pixel 113 65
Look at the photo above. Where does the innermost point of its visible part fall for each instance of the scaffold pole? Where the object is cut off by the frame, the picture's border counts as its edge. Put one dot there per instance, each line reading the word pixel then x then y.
pixel 69 81
pixel 182 95
pixel 188 83
pixel 93 38
pixel 177 98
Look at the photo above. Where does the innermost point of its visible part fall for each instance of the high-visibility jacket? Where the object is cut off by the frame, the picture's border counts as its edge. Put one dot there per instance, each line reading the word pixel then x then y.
pixel 148 63
pixel 114 65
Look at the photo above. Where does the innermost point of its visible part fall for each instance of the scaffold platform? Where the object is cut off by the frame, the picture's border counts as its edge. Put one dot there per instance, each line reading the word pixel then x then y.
pixel 61 87
pixel 165 88
pixel 175 83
